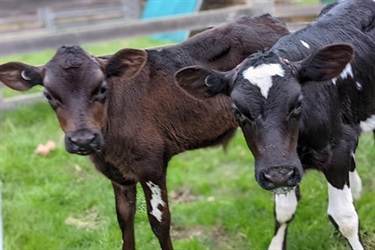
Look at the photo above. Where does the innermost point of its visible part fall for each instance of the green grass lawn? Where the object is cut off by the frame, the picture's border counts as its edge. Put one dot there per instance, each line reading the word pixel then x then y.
pixel 61 202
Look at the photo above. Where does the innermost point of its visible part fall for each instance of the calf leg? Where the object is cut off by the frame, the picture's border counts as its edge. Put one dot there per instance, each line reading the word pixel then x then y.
pixel 341 210
pixel 355 184
pixel 285 208
pixel 125 196
pixel 158 210
pixel 355 181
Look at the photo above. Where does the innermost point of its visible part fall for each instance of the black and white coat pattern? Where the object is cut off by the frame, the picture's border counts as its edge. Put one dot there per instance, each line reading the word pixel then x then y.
pixel 303 104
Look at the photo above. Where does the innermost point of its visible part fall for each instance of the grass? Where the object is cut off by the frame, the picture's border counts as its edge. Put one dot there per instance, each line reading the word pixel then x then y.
pixel 61 202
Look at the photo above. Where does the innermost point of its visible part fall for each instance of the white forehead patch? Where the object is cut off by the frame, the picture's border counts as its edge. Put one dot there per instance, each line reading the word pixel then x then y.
pixel 305 44
pixel 261 76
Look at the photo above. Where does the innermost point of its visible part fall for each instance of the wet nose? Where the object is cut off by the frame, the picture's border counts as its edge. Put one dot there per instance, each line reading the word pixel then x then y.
pixel 283 176
pixel 82 138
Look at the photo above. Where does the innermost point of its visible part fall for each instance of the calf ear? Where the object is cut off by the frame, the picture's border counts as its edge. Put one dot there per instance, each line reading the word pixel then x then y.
pixel 20 76
pixel 326 64
pixel 126 63
pixel 201 82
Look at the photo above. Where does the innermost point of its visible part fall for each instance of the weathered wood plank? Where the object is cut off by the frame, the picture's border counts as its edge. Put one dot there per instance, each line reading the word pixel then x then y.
pixel 28 99
pixel 122 30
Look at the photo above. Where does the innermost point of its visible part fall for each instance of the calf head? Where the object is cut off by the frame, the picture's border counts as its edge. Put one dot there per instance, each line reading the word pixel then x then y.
pixel 77 86
pixel 267 101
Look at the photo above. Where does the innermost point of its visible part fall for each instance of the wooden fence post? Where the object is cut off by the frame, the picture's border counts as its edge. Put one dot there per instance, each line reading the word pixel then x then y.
pixel 47 17
pixel 131 9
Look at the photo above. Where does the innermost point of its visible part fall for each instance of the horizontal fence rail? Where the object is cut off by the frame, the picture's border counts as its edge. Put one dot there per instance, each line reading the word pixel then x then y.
pixel 125 29
pixel 55 20
pixel 68 14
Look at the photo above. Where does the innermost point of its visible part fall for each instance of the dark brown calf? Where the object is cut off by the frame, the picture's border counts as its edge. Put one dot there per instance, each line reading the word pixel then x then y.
pixel 129 115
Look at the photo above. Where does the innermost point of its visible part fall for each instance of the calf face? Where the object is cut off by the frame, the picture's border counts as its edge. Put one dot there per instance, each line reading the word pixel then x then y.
pixel 267 101
pixel 75 84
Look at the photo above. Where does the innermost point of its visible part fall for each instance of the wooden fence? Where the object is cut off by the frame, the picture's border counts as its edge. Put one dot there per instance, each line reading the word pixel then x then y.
pixel 135 29
pixel 60 16
pixel 57 20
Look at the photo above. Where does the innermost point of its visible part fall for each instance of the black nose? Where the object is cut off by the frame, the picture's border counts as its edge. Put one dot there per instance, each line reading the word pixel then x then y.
pixel 84 141
pixel 82 138
pixel 276 177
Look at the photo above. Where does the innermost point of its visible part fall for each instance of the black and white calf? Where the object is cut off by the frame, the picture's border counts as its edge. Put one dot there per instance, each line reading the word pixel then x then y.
pixel 300 106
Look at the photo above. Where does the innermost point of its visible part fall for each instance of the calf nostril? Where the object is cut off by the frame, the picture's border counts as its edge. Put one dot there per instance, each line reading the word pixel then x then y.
pixel 279 177
pixel 73 139
pixel 289 174
pixel 268 180
pixel 267 176
pixel 90 137
pixel 83 138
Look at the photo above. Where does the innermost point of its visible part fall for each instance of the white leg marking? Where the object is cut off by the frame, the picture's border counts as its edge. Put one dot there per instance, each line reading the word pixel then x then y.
pixel 355 184
pixel 278 239
pixel 285 208
pixel 342 210
pixel 156 200
pixel 369 124
pixel 261 76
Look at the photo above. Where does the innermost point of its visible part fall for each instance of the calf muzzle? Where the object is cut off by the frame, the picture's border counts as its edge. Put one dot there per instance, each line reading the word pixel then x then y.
pixel 83 141
pixel 280 177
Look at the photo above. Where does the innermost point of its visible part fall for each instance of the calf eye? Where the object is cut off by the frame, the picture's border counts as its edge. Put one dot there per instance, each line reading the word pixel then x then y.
pixel 48 96
pixel 100 93
pixel 237 114
pixel 240 118
pixel 54 102
pixel 296 111
pixel 103 89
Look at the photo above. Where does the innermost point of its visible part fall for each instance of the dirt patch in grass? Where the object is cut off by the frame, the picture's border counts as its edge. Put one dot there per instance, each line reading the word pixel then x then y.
pixel 182 195
pixel 368 239
pixel 86 220
pixel 185 233
pixel 216 236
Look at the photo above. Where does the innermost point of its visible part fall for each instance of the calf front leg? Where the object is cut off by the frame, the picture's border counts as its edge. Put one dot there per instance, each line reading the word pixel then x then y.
pixel 341 210
pixel 355 180
pixel 125 196
pixel 284 210
pixel 158 210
